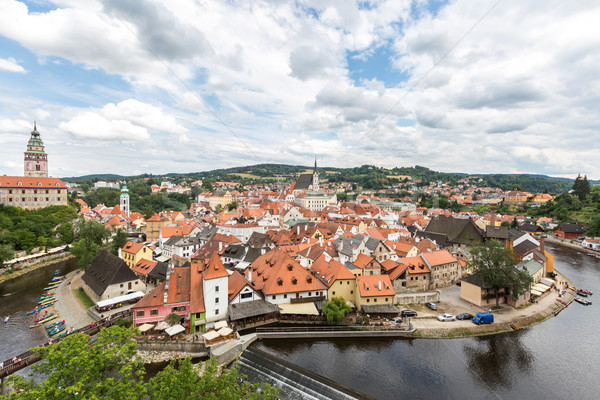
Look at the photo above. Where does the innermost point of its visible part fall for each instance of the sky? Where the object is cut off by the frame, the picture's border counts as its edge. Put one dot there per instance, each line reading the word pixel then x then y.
pixel 143 86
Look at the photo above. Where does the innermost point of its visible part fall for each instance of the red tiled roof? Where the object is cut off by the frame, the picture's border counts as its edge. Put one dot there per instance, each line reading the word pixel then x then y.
pixel 179 285
pixel 237 282
pixel 132 247
pixel 369 286
pixel 215 268
pixel 153 299
pixel 196 288
pixel 31 182
pixel 143 267
pixel 330 271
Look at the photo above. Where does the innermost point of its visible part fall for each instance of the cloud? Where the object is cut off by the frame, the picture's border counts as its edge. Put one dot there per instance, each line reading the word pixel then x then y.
pixel 127 120
pixel 11 65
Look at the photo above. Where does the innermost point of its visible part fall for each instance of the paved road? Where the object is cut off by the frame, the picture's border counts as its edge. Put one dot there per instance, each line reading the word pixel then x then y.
pixel 67 306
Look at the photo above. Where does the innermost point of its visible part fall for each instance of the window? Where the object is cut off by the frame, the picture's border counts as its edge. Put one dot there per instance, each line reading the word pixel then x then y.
pixel 352 292
pixel 217 288
pixel 217 311
pixel 121 285
pixel 285 296
pixel 368 300
pixel 333 293
pixel 274 297
pixel 216 300
pixel 348 282
pixel 386 299
pixel 154 312
pixel 247 295
pixel 139 314
pixel 374 300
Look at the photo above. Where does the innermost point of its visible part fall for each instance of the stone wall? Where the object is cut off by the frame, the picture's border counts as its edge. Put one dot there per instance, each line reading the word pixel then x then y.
pixel 417 298
pixel 183 347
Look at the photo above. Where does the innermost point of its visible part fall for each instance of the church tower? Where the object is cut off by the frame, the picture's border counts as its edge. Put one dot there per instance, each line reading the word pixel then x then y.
pixel 124 203
pixel 36 159
pixel 315 178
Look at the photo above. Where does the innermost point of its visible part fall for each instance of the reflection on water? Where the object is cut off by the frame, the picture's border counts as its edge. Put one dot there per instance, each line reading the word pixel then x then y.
pixel 495 359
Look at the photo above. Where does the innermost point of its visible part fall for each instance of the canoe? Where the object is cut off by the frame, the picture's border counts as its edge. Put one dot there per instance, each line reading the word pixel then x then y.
pixel 48 318
pixel 585 291
pixel 583 301
pixel 58 328
pixel 50 287
pixel 46 301
pixel 582 294
pixel 46 295
pixel 52 325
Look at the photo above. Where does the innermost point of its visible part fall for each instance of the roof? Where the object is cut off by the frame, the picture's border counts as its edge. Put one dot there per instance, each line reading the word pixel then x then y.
pixel 531 266
pixel 496 232
pixel 571 228
pixel 525 247
pixel 132 247
pixel 31 182
pixel 196 288
pixel 438 257
pixel 369 286
pixel 107 269
pixel 143 267
pixel 329 272
pixel 214 268
pixel 457 230
pixel 159 271
pixel 179 285
pixel 236 283
pixel 299 308
pixel 416 265
pixel 153 299
pixel 304 181
pixel 277 272
pixel 477 280
pixel 252 308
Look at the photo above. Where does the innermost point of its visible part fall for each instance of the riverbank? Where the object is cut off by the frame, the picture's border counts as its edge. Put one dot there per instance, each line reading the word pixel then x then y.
pixel 6 276
pixel 506 319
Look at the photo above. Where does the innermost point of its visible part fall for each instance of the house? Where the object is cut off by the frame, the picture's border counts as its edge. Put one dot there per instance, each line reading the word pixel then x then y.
pixel 592 244
pixel 418 274
pixel 374 290
pixel 570 230
pixel 379 250
pixel 240 290
pixel 445 269
pixel 339 280
pixel 281 279
pixel 477 291
pixel 109 277
pixel 452 232
pixel 132 253
pixel 31 192
pixel 151 272
pixel 170 297
pixel 368 265
pixel 515 197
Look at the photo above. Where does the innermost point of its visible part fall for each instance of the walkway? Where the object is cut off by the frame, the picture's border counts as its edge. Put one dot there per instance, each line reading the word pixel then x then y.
pixel 68 306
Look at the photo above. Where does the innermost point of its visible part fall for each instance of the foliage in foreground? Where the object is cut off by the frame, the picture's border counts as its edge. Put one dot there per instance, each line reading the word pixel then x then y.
pixel 107 367
pixel 335 310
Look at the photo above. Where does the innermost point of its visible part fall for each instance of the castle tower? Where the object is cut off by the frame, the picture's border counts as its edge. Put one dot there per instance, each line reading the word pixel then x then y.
pixel 124 199
pixel 36 159
pixel 315 177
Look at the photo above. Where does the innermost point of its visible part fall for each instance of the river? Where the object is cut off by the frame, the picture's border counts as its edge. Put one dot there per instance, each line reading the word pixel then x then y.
pixel 552 360
pixel 18 296
pixel 556 359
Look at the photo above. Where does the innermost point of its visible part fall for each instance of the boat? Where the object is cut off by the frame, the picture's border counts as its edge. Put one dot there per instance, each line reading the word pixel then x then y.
pixel 585 291
pixel 5 320
pixel 58 328
pixel 43 319
pixel 58 278
pixel 582 294
pixel 45 301
pixel 50 287
pixel 52 325
pixel 57 272
pixel 45 296
pixel 40 308
pixel 583 301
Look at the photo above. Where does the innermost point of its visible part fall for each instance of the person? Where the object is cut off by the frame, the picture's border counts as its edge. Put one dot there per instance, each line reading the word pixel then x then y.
pixel 1 364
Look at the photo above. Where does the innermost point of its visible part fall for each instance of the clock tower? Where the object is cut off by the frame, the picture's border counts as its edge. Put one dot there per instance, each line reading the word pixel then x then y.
pixel 36 159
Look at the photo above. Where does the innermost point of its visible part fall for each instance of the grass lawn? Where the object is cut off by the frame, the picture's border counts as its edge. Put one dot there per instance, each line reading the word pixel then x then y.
pixel 83 298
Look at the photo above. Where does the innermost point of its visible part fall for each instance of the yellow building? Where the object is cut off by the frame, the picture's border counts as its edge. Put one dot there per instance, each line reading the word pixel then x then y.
pixel 339 280
pixel 220 197
pixel 373 290
pixel 132 253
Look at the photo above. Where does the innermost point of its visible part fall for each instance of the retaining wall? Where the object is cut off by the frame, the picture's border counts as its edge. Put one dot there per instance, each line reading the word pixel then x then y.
pixel 416 298
pixel 183 347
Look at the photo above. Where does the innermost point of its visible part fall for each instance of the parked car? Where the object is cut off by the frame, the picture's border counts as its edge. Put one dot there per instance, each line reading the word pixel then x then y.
pixel 464 316
pixel 408 313
pixel 431 305
pixel 446 317
pixel 483 318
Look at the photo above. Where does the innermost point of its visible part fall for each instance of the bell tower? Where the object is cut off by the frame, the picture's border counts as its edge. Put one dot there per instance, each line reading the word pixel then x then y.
pixel 36 159
pixel 124 199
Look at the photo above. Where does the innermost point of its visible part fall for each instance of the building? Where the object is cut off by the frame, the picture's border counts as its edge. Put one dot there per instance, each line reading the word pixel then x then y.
pixel 374 289
pixel 32 192
pixel 36 159
pixel 109 277
pixel 569 230
pixel 445 269
pixel 132 253
pixel 124 200
pixel 308 182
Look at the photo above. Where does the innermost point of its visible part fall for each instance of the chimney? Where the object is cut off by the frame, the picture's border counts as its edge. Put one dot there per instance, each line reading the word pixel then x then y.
pixel 220 246
pixel 380 285
pixel 542 244
pixel 297 230
pixel 250 275
pixel 262 251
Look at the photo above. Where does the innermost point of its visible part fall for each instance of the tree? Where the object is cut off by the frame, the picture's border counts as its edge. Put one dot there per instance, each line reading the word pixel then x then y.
pixel 232 206
pixel 496 264
pixel 594 227
pixel 335 310
pixel 516 187
pixel 581 187
pixel 90 235
pixel 180 380
pixel 104 368
pixel 119 240
pixel 6 253
pixel 173 319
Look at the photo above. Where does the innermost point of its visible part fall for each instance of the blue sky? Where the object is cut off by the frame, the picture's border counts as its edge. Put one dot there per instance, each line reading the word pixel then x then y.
pixel 148 86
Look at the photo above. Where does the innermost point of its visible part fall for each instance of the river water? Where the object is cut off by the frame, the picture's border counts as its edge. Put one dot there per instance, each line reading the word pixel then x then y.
pixel 17 297
pixel 557 359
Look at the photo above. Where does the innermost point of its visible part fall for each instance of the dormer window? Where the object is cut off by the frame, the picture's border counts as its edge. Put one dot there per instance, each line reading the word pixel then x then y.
pixel 39 183
pixel 57 184
pixel 290 267
pixel 309 279
pixel 20 183
pixel 280 282
pixel 294 281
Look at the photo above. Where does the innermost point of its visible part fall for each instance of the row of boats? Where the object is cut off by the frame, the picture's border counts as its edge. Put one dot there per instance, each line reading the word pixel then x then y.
pixel 45 301
pixel 581 297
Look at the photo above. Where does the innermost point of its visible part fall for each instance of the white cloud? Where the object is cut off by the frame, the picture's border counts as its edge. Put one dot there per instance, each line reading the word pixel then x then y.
pixel 10 64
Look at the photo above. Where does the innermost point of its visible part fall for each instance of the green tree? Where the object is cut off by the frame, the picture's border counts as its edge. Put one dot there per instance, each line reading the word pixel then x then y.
pixel 581 187
pixel 516 187
pixel 6 253
pixel 90 235
pixel 180 380
pixel 232 206
pixel 496 264
pixel 594 227
pixel 104 368
pixel 335 310
pixel 173 319
pixel 119 240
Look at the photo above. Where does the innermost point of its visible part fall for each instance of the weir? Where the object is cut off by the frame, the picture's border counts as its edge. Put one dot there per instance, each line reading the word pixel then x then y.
pixel 295 382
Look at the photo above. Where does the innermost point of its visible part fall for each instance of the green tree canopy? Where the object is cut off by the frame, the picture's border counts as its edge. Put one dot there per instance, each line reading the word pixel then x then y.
pixel 119 240
pixel 496 264
pixel 6 253
pixel 90 235
pixel 335 310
